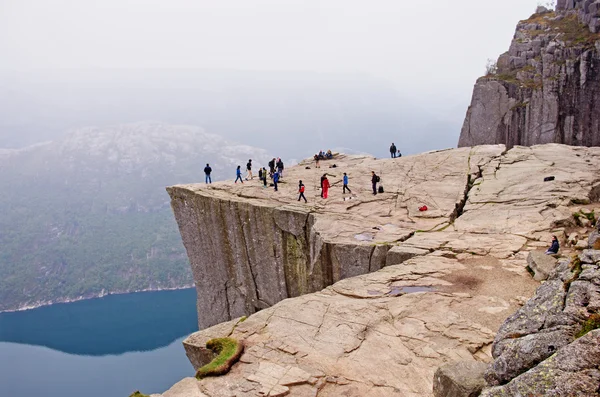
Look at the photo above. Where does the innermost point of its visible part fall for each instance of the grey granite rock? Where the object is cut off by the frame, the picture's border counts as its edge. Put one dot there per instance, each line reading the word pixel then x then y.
pixel 461 379
pixel 541 264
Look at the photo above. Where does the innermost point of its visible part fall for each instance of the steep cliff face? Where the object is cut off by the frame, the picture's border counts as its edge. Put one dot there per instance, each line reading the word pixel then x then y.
pixel 251 247
pixel 546 88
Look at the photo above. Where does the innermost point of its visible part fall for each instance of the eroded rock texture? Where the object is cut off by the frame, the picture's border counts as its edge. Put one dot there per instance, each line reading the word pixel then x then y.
pixel 546 87
pixel 442 282
pixel 251 247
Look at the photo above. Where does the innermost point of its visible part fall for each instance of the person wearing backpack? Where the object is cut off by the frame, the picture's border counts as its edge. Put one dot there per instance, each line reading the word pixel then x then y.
pixel 271 167
pixel 280 167
pixel 346 184
pixel 301 191
pixel 238 173
pixel 374 180
pixel 207 171
pixel 393 150
pixel 325 186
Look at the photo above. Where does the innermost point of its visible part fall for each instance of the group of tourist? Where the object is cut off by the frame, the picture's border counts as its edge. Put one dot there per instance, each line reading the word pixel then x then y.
pixel 322 156
pixel 325 185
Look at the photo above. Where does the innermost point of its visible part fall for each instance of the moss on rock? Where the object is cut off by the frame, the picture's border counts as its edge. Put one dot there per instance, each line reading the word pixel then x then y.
pixel 228 351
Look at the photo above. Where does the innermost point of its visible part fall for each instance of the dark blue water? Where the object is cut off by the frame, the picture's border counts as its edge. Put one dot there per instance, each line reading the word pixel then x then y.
pixel 98 348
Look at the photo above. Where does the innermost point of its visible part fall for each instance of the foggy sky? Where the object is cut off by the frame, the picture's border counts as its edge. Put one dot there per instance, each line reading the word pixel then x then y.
pixel 432 50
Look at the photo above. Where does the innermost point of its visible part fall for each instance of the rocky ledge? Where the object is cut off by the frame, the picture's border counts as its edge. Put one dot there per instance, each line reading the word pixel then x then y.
pixel 408 291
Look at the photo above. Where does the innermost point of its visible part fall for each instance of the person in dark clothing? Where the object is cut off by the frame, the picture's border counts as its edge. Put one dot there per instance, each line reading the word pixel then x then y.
pixel 264 176
pixel 393 150
pixel 280 167
pixel 374 180
pixel 260 174
pixel 301 191
pixel 346 184
pixel 554 247
pixel 238 173
pixel 271 167
pixel 249 170
pixel 207 171
pixel 322 179
pixel 275 179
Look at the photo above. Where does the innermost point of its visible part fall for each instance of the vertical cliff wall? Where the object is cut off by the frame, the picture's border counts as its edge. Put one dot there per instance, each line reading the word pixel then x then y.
pixel 546 88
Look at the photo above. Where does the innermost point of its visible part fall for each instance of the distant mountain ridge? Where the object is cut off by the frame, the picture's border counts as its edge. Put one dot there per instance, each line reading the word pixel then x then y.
pixel 88 215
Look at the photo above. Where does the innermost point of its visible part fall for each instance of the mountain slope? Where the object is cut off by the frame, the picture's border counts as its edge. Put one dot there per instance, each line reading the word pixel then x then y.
pixel 88 214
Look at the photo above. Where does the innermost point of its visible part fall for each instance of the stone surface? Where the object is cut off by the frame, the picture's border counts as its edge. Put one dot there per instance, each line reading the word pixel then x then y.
pixel 548 322
pixel 547 86
pixel 541 264
pixel 462 379
pixel 594 240
pixel 574 371
pixel 435 286
pixel 251 247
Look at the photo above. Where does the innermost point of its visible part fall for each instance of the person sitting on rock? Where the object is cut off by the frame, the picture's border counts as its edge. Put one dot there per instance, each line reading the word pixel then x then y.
pixel 554 247
pixel 329 155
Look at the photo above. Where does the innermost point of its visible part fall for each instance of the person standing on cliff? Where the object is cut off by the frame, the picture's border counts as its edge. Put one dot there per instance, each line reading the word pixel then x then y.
pixel 238 173
pixel 301 191
pixel 275 179
pixel 271 167
pixel 249 170
pixel 207 171
pixel 325 186
pixel 374 180
pixel 393 150
pixel 264 176
pixel 280 167
pixel 322 179
pixel 346 184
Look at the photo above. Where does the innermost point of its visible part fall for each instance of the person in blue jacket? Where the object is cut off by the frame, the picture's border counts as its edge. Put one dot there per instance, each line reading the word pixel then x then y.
pixel 275 179
pixel 346 184
pixel 554 247
pixel 238 172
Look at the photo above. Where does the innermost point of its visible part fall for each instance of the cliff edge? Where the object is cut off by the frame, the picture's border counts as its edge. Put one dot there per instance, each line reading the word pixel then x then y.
pixel 546 88
pixel 441 282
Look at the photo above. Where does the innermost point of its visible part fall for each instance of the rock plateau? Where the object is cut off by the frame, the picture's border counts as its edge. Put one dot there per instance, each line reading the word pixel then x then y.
pixel 383 294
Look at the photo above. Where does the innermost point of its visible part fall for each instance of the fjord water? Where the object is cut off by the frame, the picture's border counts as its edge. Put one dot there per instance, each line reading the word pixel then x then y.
pixel 103 347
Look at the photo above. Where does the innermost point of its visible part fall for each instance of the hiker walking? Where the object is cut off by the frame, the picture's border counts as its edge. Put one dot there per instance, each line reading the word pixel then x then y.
pixel 264 176
pixel 207 171
pixel 249 169
pixel 346 184
pixel 325 186
pixel 393 150
pixel 301 191
pixel 238 173
pixel 280 167
pixel 374 179
pixel 275 179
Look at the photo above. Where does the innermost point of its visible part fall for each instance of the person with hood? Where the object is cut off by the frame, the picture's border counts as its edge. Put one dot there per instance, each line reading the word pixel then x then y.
pixel 249 170
pixel 393 150
pixel 275 179
pixel 374 180
pixel 301 191
pixel 238 173
pixel 325 186
pixel 345 180
pixel 207 171
pixel 554 247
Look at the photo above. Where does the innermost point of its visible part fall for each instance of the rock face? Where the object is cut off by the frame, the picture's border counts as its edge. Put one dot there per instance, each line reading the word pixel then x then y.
pixel 251 247
pixel 546 87
pixel 408 291
pixel 541 264
pixel 539 351
pixel 463 379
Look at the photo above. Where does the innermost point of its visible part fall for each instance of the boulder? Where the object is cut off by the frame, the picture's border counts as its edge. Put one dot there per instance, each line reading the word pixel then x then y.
pixel 541 264
pixel 400 254
pixel 572 371
pixel 461 379
pixel 594 241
